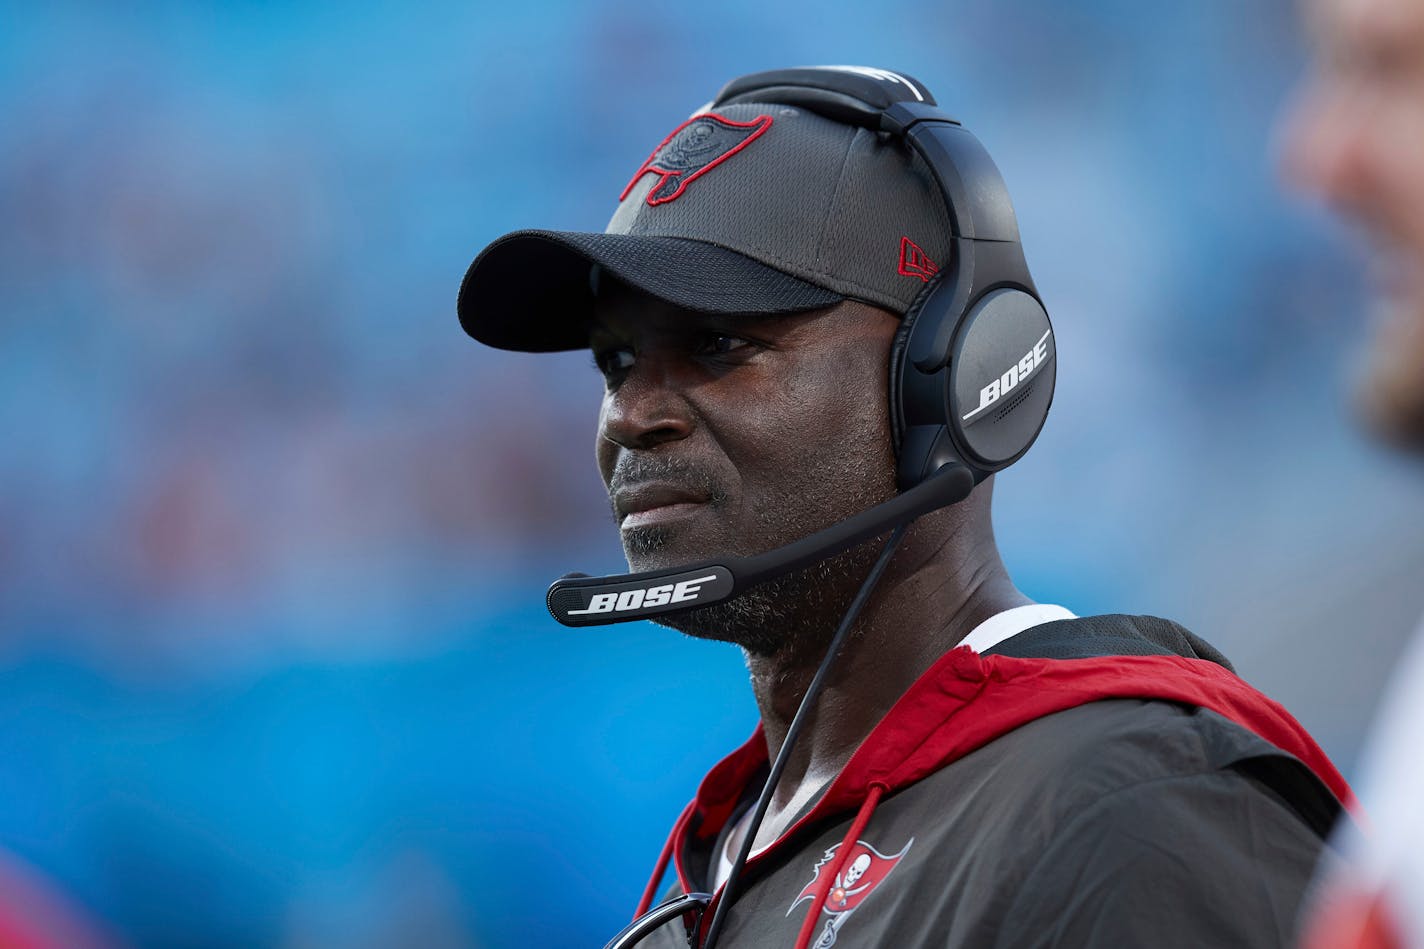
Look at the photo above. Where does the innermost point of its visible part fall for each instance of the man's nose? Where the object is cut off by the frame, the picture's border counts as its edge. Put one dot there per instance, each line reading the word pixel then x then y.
pixel 647 409
pixel 1324 145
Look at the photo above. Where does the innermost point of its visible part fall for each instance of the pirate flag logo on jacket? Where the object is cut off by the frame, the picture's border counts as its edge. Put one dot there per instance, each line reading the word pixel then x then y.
pixel 694 148
pixel 866 869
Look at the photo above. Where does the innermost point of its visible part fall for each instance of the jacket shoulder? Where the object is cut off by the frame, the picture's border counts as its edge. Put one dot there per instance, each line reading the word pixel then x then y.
pixel 1073 758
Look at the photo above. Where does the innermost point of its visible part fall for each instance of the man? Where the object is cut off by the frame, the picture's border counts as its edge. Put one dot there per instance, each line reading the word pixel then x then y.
pixel 1356 137
pixel 978 770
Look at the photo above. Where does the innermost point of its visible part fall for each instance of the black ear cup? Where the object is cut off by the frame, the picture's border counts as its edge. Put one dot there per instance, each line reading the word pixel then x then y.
pixel 918 400
pixel 987 401
pixel 1001 376
pixel 898 347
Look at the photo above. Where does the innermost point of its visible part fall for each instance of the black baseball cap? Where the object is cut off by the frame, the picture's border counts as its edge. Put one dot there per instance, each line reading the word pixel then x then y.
pixel 747 207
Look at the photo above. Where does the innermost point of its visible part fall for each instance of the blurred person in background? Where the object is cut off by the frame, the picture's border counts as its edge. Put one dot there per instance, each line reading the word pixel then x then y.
pixel 34 914
pixel 958 783
pixel 1355 136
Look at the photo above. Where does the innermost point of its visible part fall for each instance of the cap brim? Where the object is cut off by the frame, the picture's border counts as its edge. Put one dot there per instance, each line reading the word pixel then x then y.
pixel 530 290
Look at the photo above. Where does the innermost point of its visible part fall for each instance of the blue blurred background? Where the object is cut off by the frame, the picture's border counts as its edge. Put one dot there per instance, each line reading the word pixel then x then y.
pixel 275 668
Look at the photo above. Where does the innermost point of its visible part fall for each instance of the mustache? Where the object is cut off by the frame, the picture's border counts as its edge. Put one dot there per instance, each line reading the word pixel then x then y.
pixel 634 470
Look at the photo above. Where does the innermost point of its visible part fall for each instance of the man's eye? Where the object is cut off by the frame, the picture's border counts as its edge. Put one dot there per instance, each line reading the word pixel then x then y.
pixel 717 344
pixel 613 361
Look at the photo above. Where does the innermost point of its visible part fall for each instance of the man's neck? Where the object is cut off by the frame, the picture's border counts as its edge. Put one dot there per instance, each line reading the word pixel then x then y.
pixel 910 621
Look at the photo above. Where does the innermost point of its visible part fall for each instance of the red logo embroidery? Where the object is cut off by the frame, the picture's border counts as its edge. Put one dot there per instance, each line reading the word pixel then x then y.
pixel 915 262
pixel 866 869
pixel 694 148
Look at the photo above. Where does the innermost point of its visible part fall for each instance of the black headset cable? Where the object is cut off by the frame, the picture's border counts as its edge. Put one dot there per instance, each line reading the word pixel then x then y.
pixel 803 712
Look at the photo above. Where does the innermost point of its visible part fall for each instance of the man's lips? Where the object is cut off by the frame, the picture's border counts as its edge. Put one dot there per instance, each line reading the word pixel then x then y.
pixel 642 504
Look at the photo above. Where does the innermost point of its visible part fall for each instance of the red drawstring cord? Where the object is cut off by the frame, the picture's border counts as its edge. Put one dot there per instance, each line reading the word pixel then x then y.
pixel 833 872
pixel 650 892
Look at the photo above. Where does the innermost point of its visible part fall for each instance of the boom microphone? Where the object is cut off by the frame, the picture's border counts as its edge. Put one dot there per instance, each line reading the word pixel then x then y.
pixel 581 600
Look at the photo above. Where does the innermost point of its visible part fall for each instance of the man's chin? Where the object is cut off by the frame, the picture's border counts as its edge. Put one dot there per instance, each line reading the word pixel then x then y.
pixel 664 547
pixel 791 616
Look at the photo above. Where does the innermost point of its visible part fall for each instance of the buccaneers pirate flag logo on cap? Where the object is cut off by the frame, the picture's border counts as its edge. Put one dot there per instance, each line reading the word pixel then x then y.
pixel 694 148
pixel 866 869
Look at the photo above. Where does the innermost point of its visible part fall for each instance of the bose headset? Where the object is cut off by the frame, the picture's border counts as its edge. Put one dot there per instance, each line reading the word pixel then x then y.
pixel 972 373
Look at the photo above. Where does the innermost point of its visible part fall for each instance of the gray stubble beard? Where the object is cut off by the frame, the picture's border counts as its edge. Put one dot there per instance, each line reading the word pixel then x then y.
pixel 793 614
pixel 790 615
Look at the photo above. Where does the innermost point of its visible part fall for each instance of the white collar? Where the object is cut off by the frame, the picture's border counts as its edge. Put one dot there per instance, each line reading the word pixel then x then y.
pixel 1001 626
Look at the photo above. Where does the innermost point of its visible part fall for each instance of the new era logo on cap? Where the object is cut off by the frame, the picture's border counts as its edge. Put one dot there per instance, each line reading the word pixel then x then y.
pixel 694 148
pixel 914 262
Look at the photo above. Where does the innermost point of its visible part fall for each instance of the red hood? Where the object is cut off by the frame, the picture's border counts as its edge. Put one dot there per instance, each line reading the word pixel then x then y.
pixel 965 700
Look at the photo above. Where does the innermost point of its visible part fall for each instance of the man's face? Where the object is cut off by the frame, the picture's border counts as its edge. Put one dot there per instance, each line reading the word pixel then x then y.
pixel 1356 137
pixel 738 434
